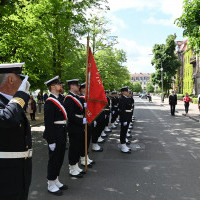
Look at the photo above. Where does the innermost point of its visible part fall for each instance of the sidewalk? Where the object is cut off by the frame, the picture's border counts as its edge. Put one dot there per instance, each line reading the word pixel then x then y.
pixel 39 118
pixel 193 108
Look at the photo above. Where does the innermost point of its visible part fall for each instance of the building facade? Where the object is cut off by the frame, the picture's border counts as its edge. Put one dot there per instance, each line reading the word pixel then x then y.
pixel 143 78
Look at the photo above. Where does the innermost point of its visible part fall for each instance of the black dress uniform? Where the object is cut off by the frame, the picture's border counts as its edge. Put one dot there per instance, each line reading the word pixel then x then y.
pixel 114 108
pixel 15 136
pixel 172 103
pixel 125 112
pixel 54 133
pixel 75 127
pixel 107 113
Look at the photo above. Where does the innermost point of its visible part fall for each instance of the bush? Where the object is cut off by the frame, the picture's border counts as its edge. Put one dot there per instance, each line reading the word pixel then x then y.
pixel 180 96
pixel 195 100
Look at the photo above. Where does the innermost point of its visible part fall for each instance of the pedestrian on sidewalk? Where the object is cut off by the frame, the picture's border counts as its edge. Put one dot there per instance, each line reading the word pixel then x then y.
pixel 39 101
pixel 199 102
pixel 186 101
pixel 172 102
pixel 32 108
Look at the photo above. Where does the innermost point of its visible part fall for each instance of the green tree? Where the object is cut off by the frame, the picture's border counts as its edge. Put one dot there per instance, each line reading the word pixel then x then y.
pixel 164 55
pixel 189 21
pixel 149 88
pixel 136 87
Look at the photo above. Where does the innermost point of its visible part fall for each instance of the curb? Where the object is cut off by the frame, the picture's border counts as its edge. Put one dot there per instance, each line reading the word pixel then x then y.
pixel 190 117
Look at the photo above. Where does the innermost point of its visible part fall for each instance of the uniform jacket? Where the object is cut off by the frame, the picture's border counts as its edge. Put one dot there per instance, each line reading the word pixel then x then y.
pixel 73 109
pixel 53 133
pixel 15 136
pixel 115 103
pixel 172 99
pixel 125 103
pixel 107 108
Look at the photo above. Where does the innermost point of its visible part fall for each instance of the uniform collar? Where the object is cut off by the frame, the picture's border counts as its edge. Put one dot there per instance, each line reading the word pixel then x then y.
pixel 54 95
pixel 9 97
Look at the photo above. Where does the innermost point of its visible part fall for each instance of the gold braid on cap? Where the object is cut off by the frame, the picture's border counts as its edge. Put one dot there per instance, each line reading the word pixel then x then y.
pixel 18 100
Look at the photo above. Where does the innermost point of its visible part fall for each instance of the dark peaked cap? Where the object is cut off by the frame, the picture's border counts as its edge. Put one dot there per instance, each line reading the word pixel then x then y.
pixel 15 68
pixel 123 89
pixel 52 81
pixel 73 82
pixel 82 85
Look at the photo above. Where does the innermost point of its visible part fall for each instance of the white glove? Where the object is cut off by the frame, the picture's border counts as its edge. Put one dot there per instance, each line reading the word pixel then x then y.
pixel 84 120
pixel 125 123
pixel 25 85
pixel 85 105
pixel 113 112
pixel 52 146
pixel 105 116
pixel 95 123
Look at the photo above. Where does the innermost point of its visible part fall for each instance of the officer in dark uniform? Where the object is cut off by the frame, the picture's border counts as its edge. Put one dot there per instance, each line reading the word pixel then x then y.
pixel 61 95
pixel 114 108
pixel 172 102
pixel 107 112
pixel 15 134
pixel 76 123
pixel 125 112
pixel 55 119
pixel 90 130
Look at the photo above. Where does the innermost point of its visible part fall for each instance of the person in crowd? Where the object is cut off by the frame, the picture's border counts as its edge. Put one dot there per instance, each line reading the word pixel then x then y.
pixel 15 137
pixel 76 125
pixel 186 101
pixel 45 97
pixel 199 102
pixel 172 102
pixel 55 120
pixel 39 101
pixel 125 112
pixel 32 108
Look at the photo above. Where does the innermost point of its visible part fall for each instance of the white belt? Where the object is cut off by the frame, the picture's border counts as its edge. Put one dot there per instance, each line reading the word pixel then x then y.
pixel 107 109
pixel 79 116
pixel 24 154
pixel 115 106
pixel 128 110
pixel 60 122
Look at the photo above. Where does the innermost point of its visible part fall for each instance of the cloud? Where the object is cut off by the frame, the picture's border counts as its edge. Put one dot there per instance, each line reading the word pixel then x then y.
pixel 171 7
pixel 116 24
pixel 138 56
pixel 163 22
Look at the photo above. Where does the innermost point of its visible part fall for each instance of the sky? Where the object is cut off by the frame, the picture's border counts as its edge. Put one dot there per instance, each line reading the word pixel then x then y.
pixel 139 24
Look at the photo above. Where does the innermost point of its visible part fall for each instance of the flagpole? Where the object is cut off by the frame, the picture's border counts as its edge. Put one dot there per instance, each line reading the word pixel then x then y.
pixel 86 97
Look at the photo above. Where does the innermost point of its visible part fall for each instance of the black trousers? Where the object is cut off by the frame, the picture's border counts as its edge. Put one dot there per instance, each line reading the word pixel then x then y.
pixel 32 115
pixel 75 144
pixel 186 107
pixel 114 116
pixel 123 132
pixel 20 196
pixel 107 119
pixel 55 162
pixel 89 135
pixel 172 109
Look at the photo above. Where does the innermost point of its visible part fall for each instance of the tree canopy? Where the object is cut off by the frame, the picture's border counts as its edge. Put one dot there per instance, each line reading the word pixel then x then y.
pixel 190 22
pixel 47 35
pixel 165 57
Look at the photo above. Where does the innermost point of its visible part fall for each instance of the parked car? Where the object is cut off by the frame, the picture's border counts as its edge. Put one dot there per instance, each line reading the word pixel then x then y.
pixel 144 96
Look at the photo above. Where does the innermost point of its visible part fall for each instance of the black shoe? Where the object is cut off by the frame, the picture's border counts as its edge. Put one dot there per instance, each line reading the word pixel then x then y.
pixel 57 193
pixel 128 143
pixel 93 162
pixel 129 131
pixel 100 150
pixel 129 136
pixel 80 175
pixel 83 172
pixel 64 187
pixel 89 165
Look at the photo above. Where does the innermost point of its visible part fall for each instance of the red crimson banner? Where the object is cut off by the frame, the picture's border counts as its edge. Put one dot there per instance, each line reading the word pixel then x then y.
pixel 95 94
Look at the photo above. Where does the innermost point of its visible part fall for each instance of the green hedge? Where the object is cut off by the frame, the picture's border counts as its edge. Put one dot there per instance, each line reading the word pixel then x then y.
pixel 195 100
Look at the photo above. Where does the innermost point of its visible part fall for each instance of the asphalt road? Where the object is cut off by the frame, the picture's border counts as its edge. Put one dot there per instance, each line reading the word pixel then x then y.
pixel 165 167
